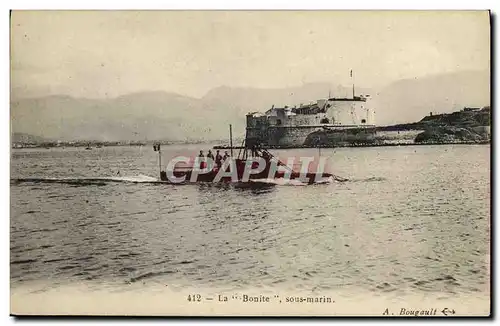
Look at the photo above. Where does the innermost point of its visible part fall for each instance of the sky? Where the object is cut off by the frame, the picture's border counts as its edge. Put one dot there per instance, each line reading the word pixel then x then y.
pixel 99 54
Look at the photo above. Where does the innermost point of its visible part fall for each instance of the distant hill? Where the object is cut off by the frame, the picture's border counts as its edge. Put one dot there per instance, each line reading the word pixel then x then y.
pixel 173 117
pixel 255 99
pixel 410 99
pixel 141 116
pixel 465 118
pixel 18 137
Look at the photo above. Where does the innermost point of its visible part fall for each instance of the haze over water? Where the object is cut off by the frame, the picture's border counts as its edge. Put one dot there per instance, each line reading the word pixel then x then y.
pixel 410 221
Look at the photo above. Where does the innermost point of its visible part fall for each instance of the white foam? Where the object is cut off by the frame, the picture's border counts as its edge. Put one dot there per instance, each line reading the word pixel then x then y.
pixel 139 178
pixel 147 179
pixel 285 182
pixel 136 179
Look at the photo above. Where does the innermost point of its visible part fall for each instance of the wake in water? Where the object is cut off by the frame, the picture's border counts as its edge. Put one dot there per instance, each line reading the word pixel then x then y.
pixel 297 182
pixel 147 179
pixel 370 179
pixel 90 181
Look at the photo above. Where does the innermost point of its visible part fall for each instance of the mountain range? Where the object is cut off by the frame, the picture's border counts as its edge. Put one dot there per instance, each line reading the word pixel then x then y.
pixel 169 116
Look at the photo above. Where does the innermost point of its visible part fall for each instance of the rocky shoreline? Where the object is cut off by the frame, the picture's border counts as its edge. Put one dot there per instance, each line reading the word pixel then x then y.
pixel 392 144
pixel 468 126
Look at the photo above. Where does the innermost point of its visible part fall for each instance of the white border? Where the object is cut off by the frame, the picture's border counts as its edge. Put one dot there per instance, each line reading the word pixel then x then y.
pixel 258 5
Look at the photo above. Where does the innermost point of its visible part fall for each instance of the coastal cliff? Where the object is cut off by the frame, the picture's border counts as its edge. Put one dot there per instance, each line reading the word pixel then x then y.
pixel 468 125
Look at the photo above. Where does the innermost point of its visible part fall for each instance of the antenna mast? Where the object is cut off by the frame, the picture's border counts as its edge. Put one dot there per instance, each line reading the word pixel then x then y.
pixel 352 79
pixel 159 157
pixel 231 138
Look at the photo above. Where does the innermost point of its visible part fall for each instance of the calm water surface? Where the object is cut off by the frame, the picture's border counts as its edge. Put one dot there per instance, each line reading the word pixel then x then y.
pixel 410 219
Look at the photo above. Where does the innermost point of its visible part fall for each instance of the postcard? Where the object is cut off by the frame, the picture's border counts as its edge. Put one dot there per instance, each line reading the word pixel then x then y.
pixel 250 163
